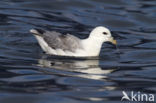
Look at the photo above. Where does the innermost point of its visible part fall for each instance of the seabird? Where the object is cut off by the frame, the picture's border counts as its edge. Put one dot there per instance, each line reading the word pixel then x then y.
pixel 55 43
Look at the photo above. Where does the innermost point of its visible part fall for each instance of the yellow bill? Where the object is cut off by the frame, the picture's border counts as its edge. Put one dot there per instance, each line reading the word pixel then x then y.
pixel 113 41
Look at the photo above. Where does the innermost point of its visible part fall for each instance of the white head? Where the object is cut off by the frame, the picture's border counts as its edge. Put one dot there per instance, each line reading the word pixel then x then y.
pixel 102 34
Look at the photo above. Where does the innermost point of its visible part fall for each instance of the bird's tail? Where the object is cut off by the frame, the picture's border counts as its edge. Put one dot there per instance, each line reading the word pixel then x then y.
pixel 39 32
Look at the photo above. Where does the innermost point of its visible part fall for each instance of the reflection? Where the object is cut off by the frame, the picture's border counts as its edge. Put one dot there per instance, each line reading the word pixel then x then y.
pixel 86 68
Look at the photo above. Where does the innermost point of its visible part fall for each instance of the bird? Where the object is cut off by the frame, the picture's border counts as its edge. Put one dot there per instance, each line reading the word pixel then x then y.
pixel 55 43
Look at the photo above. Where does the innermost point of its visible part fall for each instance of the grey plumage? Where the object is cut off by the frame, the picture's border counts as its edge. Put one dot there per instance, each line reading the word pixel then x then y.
pixel 57 40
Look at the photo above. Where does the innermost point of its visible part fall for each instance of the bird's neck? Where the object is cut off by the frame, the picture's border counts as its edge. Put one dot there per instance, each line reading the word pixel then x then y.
pixel 92 46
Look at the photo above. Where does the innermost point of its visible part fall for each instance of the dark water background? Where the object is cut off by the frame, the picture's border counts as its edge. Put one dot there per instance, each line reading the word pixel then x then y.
pixel 27 75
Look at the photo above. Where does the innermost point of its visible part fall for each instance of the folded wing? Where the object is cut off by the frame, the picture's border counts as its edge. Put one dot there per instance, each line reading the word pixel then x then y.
pixel 57 40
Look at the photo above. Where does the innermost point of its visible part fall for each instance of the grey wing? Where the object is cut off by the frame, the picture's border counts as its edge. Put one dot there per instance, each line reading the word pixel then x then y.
pixel 53 39
pixel 65 42
pixel 71 42
pixel 58 41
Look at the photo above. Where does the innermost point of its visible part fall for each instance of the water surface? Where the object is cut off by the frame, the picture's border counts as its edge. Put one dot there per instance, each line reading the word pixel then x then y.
pixel 28 75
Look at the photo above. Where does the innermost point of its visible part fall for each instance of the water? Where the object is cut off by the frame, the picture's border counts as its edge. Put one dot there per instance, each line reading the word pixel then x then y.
pixel 28 75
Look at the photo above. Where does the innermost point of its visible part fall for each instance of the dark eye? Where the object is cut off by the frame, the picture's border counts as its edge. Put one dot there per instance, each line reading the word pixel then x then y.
pixel 105 33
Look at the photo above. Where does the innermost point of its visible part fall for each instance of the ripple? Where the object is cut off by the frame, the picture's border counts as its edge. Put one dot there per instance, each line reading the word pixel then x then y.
pixel 28 78
pixel 82 82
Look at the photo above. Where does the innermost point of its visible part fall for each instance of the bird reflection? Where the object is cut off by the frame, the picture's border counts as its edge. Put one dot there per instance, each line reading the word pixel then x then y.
pixel 86 68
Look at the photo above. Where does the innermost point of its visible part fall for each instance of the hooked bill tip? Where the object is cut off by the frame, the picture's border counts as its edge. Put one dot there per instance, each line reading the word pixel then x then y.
pixel 114 42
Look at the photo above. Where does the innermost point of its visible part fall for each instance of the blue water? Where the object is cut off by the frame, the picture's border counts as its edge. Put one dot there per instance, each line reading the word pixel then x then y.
pixel 27 75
